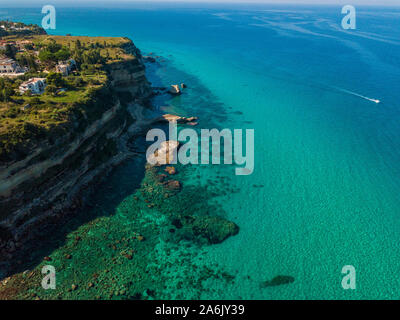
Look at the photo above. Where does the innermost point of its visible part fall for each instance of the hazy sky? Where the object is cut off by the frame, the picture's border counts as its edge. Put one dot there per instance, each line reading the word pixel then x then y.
pixel 9 3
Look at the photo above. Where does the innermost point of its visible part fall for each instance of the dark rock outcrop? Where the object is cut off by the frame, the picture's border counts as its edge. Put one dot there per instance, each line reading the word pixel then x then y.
pixel 175 90
pixel 174 118
pixel 212 229
pixel 170 170
pixel 149 59
pixel 278 281
pixel 173 185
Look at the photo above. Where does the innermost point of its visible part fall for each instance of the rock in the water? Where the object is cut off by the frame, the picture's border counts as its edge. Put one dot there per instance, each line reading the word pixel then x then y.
pixel 175 118
pixel 173 185
pixel 175 90
pixel 165 154
pixel 278 281
pixel 213 229
pixel 170 170
pixel 149 59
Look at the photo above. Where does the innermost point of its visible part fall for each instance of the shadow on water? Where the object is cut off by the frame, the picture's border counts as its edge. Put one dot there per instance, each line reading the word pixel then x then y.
pixel 102 201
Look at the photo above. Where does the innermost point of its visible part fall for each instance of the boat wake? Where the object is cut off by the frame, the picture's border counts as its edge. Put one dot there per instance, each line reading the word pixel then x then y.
pixel 358 95
pixel 283 74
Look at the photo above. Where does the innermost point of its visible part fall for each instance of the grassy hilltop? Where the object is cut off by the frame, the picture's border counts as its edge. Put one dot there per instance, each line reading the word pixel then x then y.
pixel 26 119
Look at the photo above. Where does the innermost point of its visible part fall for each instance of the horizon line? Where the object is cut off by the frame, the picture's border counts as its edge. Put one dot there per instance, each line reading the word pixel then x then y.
pixel 267 2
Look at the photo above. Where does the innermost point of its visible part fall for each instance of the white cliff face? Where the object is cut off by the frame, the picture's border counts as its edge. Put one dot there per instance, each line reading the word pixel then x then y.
pixel 11 178
pixel 131 75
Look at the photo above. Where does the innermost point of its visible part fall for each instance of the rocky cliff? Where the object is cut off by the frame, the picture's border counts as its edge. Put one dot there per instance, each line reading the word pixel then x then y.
pixel 50 180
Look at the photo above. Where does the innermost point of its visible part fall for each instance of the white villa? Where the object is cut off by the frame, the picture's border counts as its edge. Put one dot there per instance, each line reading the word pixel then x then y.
pixel 34 85
pixel 13 27
pixel 65 67
pixel 10 67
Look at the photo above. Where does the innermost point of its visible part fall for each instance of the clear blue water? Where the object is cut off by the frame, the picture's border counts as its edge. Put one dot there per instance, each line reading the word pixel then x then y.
pixel 328 159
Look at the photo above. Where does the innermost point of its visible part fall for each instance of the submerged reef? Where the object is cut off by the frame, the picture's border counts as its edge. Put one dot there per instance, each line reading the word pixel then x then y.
pixel 189 222
pixel 150 248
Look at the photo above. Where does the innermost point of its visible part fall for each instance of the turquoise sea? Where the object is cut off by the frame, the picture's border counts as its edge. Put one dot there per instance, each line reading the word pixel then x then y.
pixel 325 189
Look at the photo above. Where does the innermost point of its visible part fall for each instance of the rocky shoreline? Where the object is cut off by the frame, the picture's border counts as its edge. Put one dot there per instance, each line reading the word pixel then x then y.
pixel 117 257
pixel 52 180
pixel 159 191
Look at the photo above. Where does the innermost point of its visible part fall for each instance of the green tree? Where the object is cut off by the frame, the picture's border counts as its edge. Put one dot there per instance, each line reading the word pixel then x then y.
pixel 29 46
pixel 6 93
pixel 51 89
pixel 78 44
pixel 53 46
pixel 78 82
pixel 55 79
pixel 46 56
pixel 93 57
pixel 62 54
pixel 28 60
pixel 10 51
